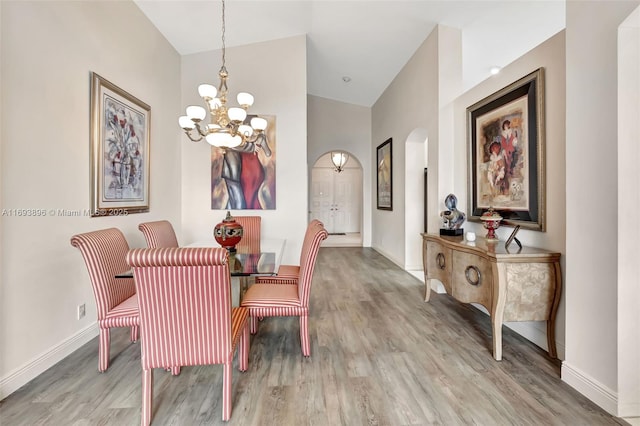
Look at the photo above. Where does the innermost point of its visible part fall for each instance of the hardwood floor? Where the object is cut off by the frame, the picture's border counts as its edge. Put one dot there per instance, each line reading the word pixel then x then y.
pixel 380 356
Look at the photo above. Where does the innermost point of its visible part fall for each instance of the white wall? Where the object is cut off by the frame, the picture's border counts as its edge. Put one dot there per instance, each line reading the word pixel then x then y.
pixel 48 50
pixel 275 73
pixel 410 102
pixel 336 125
pixel 592 346
pixel 628 231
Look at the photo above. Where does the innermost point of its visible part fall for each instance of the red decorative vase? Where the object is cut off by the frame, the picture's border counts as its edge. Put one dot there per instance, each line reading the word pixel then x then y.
pixel 228 233
pixel 491 221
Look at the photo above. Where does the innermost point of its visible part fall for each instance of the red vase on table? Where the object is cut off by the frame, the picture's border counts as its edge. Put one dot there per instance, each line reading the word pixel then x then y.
pixel 491 221
pixel 228 233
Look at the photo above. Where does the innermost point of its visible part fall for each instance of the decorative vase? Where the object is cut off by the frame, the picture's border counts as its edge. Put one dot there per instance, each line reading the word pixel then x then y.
pixel 228 233
pixel 491 221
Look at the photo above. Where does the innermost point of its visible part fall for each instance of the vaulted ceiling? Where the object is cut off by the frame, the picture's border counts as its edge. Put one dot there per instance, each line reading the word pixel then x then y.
pixel 368 41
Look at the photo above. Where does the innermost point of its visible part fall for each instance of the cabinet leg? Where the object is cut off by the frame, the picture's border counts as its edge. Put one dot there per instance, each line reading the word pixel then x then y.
pixel 551 338
pixel 427 289
pixel 496 326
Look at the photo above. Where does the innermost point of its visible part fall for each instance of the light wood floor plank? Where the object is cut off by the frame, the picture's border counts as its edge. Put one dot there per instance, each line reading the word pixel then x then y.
pixel 380 355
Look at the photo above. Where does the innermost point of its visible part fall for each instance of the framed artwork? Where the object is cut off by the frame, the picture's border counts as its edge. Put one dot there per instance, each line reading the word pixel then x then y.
pixel 384 157
pixel 506 138
pixel 120 126
pixel 244 178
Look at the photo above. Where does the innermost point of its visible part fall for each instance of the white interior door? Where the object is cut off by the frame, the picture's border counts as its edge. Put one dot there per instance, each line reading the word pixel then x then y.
pixel 322 196
pixel 346 200
pixel 336 199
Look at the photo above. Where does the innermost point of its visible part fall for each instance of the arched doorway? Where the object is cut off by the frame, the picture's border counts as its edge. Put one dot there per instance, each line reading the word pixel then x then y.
pixel 335 198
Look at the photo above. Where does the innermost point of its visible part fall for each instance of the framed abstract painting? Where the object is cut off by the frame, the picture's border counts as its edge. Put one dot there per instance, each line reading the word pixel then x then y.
pixel 244 178
pixel 506 141
pixel 120 126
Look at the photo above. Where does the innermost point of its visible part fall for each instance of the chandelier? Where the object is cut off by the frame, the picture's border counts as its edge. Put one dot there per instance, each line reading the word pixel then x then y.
pixel 226 127
pixel 339 160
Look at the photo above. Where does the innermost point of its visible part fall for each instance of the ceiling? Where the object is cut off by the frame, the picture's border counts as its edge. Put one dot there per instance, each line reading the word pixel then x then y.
pixel 368 41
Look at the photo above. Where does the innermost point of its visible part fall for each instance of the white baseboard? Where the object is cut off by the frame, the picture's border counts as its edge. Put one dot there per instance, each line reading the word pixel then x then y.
pixel 32 369
pixel 398 262
pixel 592 389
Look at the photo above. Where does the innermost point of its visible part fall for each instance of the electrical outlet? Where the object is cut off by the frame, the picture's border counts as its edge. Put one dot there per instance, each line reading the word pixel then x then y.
pixel 81 311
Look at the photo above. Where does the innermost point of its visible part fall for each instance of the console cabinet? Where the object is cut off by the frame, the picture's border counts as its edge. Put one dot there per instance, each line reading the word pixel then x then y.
pixel 513 285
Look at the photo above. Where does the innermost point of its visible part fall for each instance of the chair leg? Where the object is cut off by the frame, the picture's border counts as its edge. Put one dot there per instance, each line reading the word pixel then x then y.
pixel 135 333
pixel 304 335
pixel 243 349
pixel 103 349
pixel 254 324
pixel 147 396
pixel 226 391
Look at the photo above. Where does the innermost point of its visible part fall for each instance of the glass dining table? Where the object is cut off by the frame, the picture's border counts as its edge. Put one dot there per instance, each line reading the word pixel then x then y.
pixel 244 264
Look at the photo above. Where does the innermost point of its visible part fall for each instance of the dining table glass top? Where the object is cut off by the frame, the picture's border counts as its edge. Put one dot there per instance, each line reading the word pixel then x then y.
pixel 245 263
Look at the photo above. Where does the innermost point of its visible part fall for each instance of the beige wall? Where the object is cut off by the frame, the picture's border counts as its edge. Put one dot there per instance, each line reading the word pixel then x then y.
pixel 410 102
pixel 275 73
pixel 337 125
pixel 592 280
pixel 628 232
pixel 48 50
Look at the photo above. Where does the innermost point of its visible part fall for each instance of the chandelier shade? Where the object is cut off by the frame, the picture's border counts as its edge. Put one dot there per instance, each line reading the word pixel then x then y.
pixel 226 127
pixel 339 160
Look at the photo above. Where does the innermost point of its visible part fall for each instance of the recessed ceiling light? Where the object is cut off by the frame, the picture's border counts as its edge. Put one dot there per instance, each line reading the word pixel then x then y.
pixel 495 70
pixel 346 79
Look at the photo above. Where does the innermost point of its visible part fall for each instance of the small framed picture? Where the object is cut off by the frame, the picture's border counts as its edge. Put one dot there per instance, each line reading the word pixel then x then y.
pixel 384 158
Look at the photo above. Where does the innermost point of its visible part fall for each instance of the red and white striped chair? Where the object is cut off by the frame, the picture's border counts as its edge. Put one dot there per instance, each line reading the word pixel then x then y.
pixel 250 242
pixel 104 254
pixel 186 315
pixel 159 234
pixel 277 300
pixel 288 274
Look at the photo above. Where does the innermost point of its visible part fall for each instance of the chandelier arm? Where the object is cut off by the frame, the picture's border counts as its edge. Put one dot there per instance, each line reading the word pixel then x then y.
pixel 188 133
pixel 199 129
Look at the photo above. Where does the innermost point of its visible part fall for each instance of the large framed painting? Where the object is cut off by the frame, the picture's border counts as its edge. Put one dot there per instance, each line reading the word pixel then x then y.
pixel 120 126
pixel 244 178
pixel 384 157
pixel 506 138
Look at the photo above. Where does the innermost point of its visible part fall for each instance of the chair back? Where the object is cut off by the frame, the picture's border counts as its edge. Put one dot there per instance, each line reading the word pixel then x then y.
pixel 104 252
pixel 250 242
pixel 159 234
pixel 312 228
pixel 184 296
pixel 310 248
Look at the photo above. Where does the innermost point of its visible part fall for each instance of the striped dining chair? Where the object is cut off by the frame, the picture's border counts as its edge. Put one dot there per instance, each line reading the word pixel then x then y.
pixel 250 242
pixel 277 300
pixel 104 254
pixel 186 316
pixel 159 234
pixel 288 274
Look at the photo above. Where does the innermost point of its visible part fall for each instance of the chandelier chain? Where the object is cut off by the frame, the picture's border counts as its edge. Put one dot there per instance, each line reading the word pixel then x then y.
pixel 223 37
pixel 228 126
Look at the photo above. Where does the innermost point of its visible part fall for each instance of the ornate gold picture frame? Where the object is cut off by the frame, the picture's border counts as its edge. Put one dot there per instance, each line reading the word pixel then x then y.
pixel 120 125
pixel 506 139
